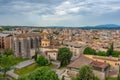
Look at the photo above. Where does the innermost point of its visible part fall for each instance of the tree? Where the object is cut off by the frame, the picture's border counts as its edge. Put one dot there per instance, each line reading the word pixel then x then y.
pixel 7 52
pixel 35 57
pixel 6 63
pixel 23 78
pixel 43 73
pixel 95 78
pixel 0 58
pixel 85 73
pixel 118 77
pixel 63 78
pixel 64 56
pixel 110 50
pixel 101 53
pixel 42 61
pixel 89 50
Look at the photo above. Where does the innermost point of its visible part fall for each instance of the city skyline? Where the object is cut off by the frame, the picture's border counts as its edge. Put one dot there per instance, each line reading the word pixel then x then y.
pixel 59 12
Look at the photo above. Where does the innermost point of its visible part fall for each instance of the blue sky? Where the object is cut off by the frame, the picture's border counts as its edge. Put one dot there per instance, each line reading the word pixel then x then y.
pixel 59 12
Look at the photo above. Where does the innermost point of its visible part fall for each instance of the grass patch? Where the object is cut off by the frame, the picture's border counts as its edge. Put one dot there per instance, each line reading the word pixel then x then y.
pixel 26 70
pixel 7 76
pixel 29 69
pixel 18 60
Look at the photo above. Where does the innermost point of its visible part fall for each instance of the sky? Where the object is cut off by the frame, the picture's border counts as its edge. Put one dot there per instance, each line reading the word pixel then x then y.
pixel 59 12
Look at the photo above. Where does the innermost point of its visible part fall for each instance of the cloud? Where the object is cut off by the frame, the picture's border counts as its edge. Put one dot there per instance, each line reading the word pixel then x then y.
pixel 88 6
pixel 66 7
pixel 58 12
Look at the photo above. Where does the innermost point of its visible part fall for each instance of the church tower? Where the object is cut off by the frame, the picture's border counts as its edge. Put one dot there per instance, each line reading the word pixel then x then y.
pixel 45 42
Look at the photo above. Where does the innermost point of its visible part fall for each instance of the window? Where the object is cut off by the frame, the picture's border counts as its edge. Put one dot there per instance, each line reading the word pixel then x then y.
pixel 31 43
pixel 19 47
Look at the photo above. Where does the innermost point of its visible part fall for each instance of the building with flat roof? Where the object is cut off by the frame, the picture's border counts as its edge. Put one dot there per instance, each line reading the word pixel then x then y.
pixel 76 47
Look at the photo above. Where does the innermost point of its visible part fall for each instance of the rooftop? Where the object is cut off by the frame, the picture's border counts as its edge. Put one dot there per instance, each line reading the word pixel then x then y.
pixel 80 61
pixel 99 64
pixel 4 35
pixel 75 44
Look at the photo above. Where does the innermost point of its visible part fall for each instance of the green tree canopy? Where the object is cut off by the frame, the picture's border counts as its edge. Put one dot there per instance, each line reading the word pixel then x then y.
pixel 42 61
pixel 64 56
pixel 7 52
pixel 118 77
pixel 110 50
pixel 89 50
pixel 43 73
pixel 35 56
pixel 101 53
pixel 85 73
pixel 6 63
pixel 63 78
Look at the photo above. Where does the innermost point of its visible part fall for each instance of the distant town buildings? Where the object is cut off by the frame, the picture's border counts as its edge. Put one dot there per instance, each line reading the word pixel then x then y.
pixel 26 41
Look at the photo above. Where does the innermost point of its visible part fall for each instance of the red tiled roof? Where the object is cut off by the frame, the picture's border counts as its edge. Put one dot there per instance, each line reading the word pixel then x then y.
pixel 99 64
pixel 82 60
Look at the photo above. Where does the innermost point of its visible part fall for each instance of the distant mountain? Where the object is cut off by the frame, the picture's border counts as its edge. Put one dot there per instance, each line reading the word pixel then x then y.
pixel 104 26
pixel 108 25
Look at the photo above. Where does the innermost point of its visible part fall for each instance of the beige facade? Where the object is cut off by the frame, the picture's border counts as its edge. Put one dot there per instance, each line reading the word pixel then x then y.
pixel 52 55
pixel 45 42
pixel 5 41
pixel 76 47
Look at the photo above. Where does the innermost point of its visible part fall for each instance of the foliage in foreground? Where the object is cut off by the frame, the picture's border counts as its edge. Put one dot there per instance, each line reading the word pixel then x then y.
pixel 85 73
pixel 6 63
pixel 43 73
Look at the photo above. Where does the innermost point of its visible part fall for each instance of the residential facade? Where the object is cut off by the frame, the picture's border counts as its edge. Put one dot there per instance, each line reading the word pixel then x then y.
pixel 4 41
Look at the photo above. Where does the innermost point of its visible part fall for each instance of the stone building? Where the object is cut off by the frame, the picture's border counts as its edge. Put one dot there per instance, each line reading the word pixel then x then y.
pixel 24 45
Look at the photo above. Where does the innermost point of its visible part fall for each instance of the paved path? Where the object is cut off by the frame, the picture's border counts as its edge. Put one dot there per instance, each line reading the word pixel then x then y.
pixel 24 64
pixel 19 66
pixel 56 63
pixel 12 74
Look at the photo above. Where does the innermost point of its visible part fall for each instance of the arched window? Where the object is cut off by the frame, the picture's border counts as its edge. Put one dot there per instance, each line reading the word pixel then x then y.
pixel 19 47
pixel 31 43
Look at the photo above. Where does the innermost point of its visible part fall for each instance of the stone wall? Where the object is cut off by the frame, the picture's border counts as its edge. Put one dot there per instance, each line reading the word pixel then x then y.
pixel 99 74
